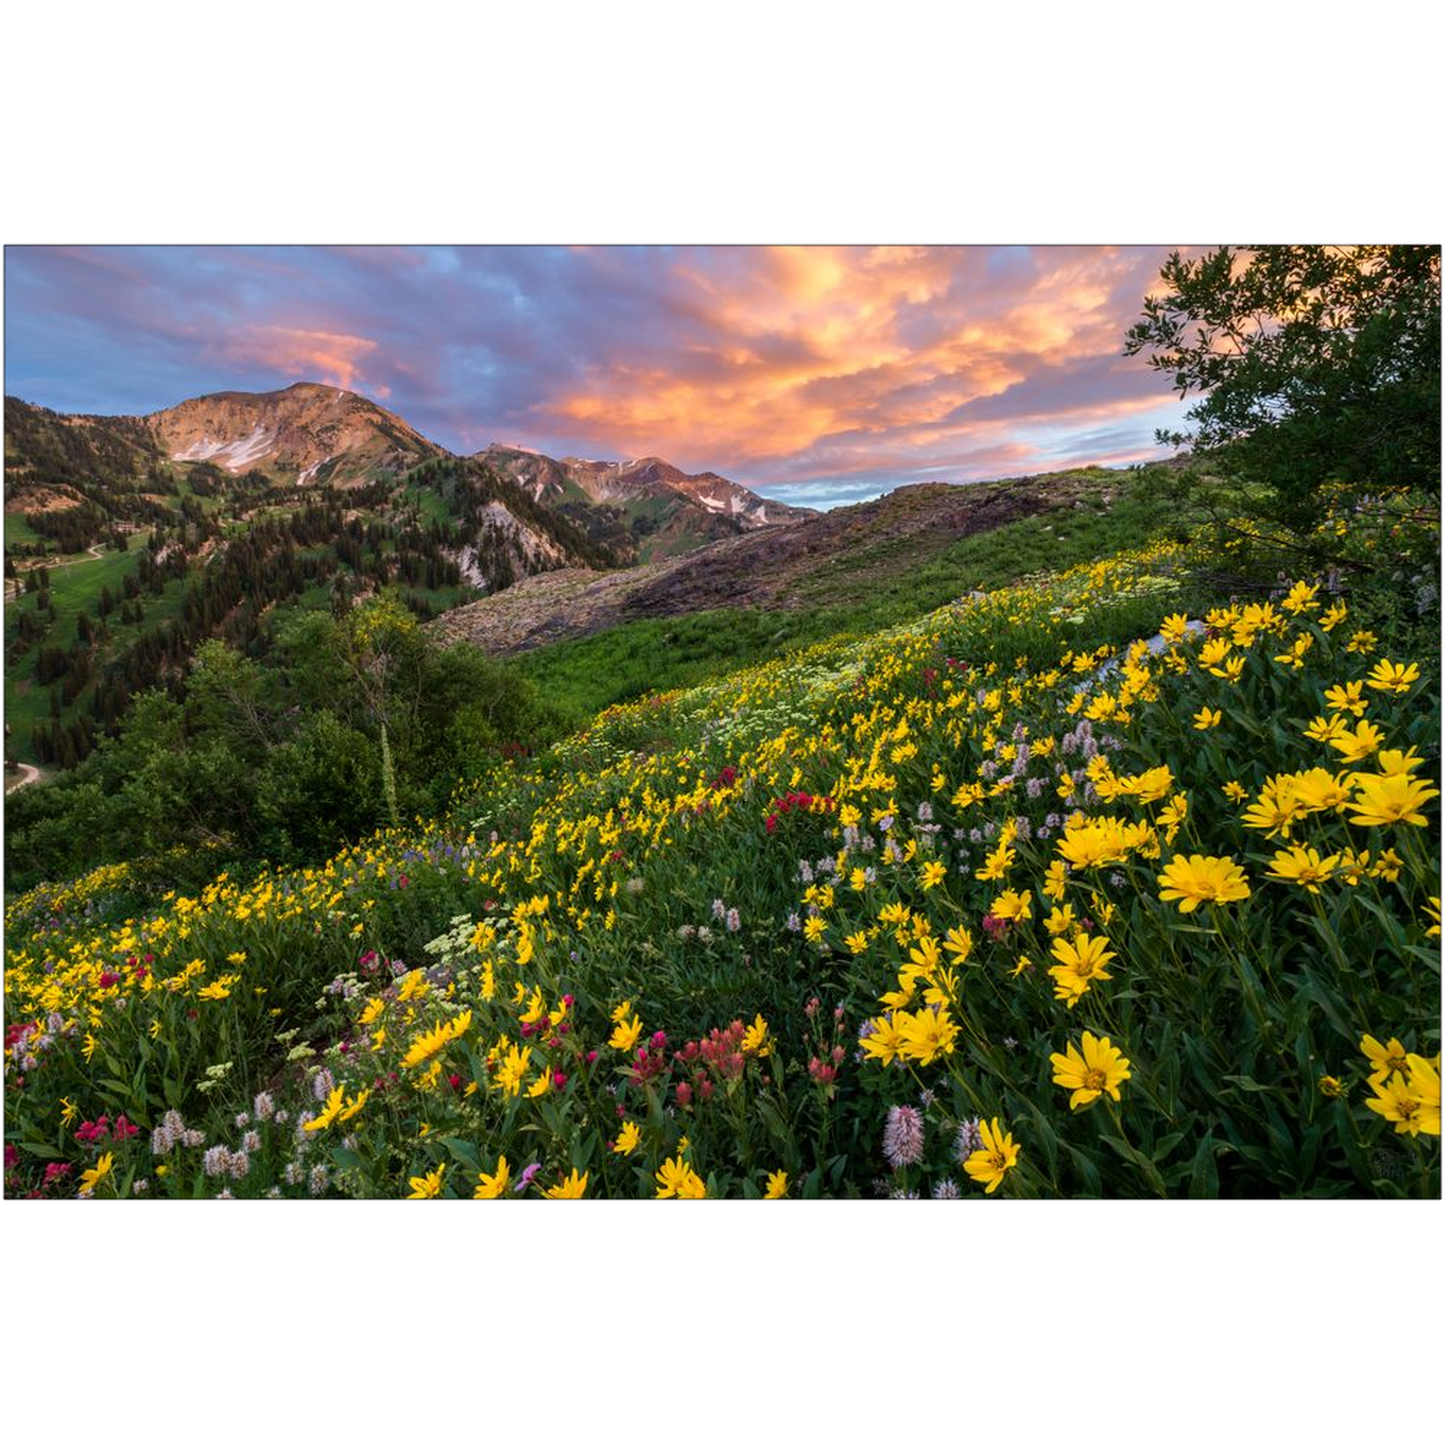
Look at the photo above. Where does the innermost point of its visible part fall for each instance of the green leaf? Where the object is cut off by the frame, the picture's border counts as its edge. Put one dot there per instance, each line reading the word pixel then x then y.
pixel 1204 1177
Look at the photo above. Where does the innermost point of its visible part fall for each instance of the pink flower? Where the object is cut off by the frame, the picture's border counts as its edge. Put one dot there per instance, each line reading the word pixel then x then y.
pixel 903 1136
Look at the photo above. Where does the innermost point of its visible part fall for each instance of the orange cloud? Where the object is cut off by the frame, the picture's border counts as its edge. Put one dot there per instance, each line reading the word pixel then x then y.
pixel 803 344
pixel 329 356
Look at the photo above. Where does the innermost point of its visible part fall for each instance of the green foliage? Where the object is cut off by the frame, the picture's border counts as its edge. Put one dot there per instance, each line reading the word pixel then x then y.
pixel 1315 363
pixel 282 762
pixel 320 786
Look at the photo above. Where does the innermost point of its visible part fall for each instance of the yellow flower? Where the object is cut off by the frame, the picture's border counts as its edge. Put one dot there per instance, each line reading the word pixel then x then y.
pixel 1100 1069
pixel 1060 920
pixel 1207 718
pixel 1319 789
pixel 1012 904
pixel 814 929
pixel 1080 964
pixel 1301 598
pixel 1347 697
pixel 1391 761
pixel 1094 844
pixel 1432 911
pixel 857 943
pixel 1276 809
pixel 330 1113
pixel 1024 962
pixel 92 1177
pixel 1056 879
pixel 1326 730
pixel 1388 676
pixel 777 1186
pixel 628 1138
pixel 924 956
pixel 512 1070
pixel 1303 867
pixel 354 1106
pixel 490 1186
pixel 426 1044
pixel 573 1187
pixel 1196 879
pixel 927 1034
pixel 1396 1102
pixel 998 1154
pixel 427 1186
pixel 1362 642
pixel 933 874
pixel 958 942
pixel 1424 1085
pixel 1356 746
pixel 677 1180
pixel 1235 792
pixel 1175 627
pixel 1387 866
pixel 1385 1059
pixel 1214 651
pixel 884 1040
pixel 756 1040
pixel 88 1047
pixel 1381 799
pixel 1331 1087
pixel 413 986
pixel 626 1034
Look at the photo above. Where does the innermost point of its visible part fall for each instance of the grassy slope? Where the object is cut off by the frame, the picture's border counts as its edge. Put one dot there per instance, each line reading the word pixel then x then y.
pixel 855 593
pixel 1216 1103
pixel 73 589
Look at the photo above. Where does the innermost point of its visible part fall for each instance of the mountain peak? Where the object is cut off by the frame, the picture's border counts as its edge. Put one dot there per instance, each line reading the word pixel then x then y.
pixel 308 431
pixel 645 505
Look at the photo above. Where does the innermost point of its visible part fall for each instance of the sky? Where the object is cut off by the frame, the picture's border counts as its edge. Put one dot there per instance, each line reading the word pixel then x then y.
pixel 815 375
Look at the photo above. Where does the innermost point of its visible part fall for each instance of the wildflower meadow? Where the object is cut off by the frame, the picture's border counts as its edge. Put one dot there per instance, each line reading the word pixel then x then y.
pixel 1101 884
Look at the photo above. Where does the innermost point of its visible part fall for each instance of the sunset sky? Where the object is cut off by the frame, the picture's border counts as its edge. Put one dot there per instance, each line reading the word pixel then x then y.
pixel 818 375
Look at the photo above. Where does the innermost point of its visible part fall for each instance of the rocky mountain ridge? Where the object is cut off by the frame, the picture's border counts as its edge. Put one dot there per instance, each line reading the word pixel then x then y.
pixel 308 434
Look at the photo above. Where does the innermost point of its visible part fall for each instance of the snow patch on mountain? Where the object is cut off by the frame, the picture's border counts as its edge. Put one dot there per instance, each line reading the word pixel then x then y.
pixel 233 455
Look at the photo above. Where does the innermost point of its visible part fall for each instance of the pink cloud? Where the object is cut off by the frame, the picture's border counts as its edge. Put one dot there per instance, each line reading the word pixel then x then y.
pixel 329 356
